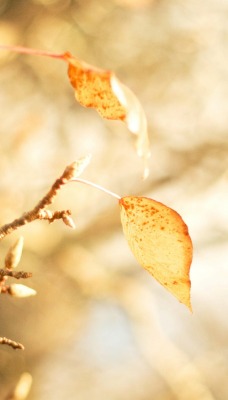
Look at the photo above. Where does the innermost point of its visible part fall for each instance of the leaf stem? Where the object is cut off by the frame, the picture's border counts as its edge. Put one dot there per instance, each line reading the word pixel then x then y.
pixel 89 183
pixel 26 50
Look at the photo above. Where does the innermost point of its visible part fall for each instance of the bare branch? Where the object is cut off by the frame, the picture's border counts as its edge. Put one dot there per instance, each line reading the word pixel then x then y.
pixel 52 216
pixel 11 343
pixel 39 211
pixel 14 274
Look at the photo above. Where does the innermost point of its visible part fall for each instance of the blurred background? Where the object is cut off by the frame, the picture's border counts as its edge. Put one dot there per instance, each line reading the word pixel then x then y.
pixel 100 327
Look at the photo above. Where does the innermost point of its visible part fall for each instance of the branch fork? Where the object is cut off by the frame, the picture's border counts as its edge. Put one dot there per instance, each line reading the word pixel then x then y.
pixel 40 211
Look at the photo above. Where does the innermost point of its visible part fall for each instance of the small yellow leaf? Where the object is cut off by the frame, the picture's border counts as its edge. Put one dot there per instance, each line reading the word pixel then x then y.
pixel 159 239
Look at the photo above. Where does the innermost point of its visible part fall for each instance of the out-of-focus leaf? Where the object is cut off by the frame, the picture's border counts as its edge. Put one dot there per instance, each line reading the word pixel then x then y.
pixel 23 387
pixel 135 119
pixel 159 239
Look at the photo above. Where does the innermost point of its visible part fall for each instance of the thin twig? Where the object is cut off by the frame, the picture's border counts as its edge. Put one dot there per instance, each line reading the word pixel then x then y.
pixel 39 212
pixel 52 216
pixel 11 343
pixel 14 274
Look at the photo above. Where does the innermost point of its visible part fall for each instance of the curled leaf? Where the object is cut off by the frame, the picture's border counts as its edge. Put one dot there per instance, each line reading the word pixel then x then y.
pixel 159 239
pixel 100 89
pixel 135 119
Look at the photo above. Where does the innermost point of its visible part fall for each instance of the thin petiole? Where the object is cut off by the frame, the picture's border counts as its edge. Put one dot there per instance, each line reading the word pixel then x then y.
pixel 96 186
pixel 26 50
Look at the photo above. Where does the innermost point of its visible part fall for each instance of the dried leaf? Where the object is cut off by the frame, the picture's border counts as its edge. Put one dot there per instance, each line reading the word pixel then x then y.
pixel 93 88
pixel 100 89
pixel 159 239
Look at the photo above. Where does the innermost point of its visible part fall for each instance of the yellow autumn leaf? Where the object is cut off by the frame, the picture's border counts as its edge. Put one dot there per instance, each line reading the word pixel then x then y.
pixel 159 240
pixel 102 90
pixel 93 88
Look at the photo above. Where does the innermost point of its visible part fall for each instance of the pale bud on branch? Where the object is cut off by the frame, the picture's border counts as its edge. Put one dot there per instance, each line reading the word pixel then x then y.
pixel 14 254
pixel 18 290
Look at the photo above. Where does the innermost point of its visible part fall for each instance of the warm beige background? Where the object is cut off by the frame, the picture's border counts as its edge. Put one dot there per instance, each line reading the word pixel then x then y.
pixel 100 327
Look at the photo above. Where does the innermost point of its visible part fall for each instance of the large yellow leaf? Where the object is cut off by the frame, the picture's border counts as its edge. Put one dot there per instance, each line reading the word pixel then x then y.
pixel 159 239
